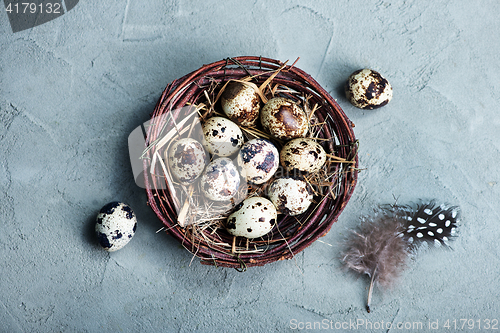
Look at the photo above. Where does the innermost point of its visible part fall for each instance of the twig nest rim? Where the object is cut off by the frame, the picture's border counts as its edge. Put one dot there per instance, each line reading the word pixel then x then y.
pixel 368 89
pixel 295 233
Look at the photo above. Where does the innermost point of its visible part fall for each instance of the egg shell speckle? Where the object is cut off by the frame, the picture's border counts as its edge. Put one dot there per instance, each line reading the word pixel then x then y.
pixel 284 119
pixel 187 160
pixel 255 218
pixel 258 160
pixel 220 180
pixel 368 89
pixel 241 103
pixel 115 226
pixel 222 137
pixel 302 154
pixel 290 196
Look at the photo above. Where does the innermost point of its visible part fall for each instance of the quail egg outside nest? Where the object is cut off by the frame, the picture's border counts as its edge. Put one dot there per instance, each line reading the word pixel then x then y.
pixel 115 226
pixel 368 89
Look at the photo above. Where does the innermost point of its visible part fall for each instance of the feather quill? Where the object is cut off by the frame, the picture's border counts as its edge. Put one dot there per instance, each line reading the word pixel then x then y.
pixel 377 249
pixel 381 246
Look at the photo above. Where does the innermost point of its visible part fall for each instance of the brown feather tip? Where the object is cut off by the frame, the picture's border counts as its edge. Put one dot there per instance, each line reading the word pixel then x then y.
pixel 376 248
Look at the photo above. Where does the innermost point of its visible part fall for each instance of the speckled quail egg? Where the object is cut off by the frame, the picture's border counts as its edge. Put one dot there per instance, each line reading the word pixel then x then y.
pixel 256 217
pixel 222 137
pixel 220 180
pixel 368 89
pixel 290 196
pixel 284 119
pixel 302 154
pixel 258 160
pixel 115 226
pixel 240 103
pixel 187 160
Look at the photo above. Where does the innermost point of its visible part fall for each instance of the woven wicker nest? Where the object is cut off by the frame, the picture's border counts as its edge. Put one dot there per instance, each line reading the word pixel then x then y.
pixel 200 90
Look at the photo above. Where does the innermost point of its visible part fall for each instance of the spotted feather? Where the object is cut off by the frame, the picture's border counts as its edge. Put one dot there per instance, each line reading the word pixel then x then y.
pixel 429 223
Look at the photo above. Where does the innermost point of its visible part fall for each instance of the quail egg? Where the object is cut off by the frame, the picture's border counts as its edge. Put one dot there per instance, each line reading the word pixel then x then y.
pixel 368 89
pixel 302 154
pixel 241 103
pixel 284 119
pixel 290 196
pixel 258 160
pixel 222 137
pixel 220 180
pixel 256 217
pixel 115 226
pixel 187 160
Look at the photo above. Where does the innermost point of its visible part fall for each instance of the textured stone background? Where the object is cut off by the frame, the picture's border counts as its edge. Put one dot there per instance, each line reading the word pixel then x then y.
pixel 71 91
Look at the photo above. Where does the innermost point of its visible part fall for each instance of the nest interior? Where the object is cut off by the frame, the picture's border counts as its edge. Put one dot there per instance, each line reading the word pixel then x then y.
pixel 333 186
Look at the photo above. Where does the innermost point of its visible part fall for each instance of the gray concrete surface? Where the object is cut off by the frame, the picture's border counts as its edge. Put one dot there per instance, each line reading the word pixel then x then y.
pixel 72 89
